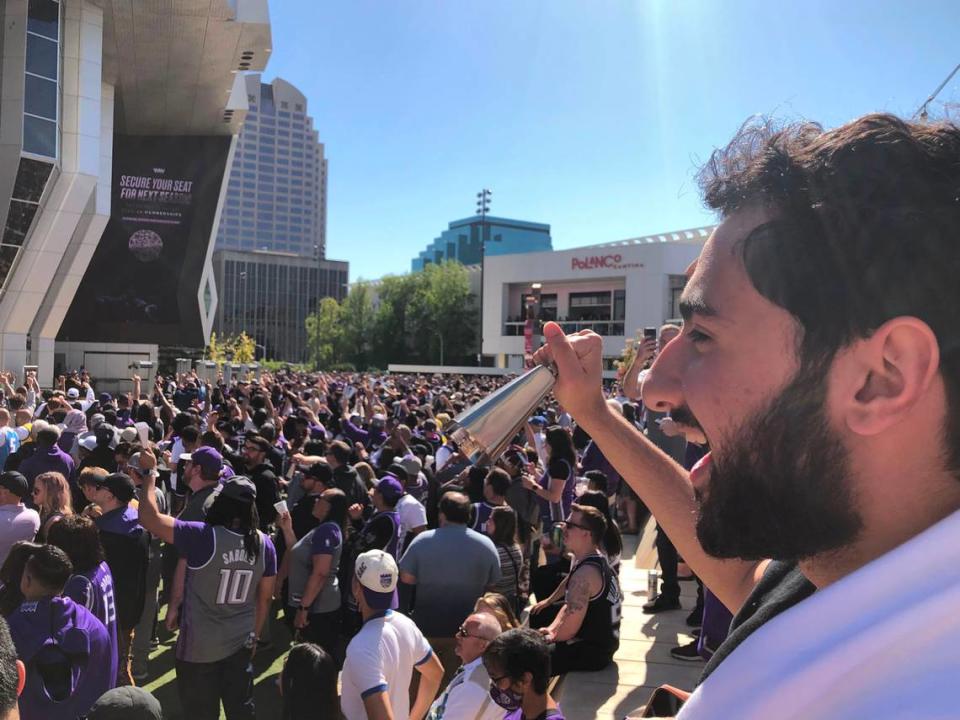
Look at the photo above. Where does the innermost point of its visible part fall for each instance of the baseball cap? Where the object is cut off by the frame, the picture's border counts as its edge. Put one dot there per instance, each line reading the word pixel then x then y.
pixel 121 486
pixel 106 434
pixel 538 420
pixel 89 442
pixel 320 471
pixel 126 703
pixel 73 393
pixel 105 398
pixel 399 470
pixel 377 573
pixel 412 465
pixel 129 435
pixel 236 488
pixel 16 483
pixel 207 458
pixel 390 488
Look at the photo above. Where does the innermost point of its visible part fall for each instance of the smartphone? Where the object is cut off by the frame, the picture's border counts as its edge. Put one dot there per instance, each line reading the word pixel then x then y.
pixel 649 333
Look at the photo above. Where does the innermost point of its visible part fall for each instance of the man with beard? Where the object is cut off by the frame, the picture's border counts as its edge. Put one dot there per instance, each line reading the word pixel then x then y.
pixel 820 357
pixel 260 471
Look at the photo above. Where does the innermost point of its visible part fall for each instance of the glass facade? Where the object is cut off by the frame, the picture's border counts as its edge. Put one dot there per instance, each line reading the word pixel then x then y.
pixel 461 240
pixel 269 296
pixel 276 197
pixel 41 92
pixel 41 127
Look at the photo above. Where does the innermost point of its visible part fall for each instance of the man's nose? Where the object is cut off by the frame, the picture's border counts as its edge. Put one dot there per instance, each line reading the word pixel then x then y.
pixel 662 388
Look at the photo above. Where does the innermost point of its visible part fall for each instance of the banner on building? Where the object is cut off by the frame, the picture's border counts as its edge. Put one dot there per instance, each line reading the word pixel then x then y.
pixel 143 282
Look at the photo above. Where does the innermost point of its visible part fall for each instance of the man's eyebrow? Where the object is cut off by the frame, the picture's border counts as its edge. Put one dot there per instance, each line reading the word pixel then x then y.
pixel 694 304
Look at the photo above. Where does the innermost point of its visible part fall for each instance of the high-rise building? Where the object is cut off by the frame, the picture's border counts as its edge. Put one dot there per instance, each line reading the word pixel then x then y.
pixel 270 262
pixel 461 240
pixel 277 196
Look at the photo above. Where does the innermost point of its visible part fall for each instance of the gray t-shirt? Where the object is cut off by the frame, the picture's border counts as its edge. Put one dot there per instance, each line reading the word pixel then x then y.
pixel 220 594
pixel 325 539
pixel 454 566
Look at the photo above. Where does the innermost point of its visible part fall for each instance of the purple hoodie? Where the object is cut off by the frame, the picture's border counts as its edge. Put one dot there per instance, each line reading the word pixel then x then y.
pixel 57 632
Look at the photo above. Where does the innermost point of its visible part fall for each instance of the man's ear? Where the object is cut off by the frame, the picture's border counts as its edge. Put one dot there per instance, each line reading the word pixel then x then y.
pixel 21 676
pixel 882 378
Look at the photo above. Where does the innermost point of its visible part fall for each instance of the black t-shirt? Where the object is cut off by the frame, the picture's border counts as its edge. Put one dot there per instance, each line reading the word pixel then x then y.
pixel 781 587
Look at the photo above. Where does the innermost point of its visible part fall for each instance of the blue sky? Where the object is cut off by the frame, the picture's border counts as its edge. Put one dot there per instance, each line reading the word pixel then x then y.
pixel 589 115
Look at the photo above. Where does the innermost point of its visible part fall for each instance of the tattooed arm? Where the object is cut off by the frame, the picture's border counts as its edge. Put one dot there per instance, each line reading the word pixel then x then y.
pixel 583 584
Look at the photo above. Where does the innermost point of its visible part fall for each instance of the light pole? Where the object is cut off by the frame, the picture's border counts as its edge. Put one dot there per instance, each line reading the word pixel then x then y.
pixel 483 207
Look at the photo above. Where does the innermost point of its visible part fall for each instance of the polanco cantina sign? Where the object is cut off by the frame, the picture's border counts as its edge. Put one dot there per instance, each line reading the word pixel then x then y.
pixel 602 262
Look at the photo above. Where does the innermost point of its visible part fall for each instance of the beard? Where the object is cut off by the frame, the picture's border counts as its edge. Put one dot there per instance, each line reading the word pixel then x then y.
pixel 781 488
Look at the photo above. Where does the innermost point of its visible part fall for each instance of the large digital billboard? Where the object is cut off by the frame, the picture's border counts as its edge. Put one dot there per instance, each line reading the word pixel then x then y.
pixel 142 284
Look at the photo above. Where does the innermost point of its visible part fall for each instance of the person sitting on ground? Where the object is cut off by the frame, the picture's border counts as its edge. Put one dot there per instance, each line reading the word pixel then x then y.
pixel 382 656
pixel 586 632
pixel 497 605
pixel 518 663
pixel 467 696
pixel 308 684
pixel 451 566
pixel 501 527
pixel 612 545
pixel 65 649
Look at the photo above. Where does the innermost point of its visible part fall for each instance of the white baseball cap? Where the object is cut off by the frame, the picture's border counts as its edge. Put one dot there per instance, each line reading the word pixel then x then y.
pixel 378 573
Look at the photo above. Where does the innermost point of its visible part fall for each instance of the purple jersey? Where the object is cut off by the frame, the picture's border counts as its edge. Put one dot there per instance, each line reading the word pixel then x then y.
pixel 94 591
pixel 220 593
pixel 481 513
pixel 66 651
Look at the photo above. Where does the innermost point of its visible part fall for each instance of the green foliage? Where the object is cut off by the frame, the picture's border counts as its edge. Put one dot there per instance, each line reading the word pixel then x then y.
pixel 324 334
pixel 415 313
pixel 233 348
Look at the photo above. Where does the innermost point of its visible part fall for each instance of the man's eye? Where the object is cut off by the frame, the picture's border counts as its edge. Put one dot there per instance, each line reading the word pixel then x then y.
pixel 697 337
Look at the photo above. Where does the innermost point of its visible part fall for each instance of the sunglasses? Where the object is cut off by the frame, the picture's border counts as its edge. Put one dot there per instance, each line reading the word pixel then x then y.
pixel 462 633
pixel 571 524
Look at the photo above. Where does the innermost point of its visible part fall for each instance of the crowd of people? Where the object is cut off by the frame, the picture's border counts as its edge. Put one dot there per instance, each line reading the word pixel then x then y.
pixel 796 440
pixel 331 503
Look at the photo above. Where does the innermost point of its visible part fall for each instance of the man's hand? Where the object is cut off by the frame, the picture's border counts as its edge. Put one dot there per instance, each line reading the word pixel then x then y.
pixel 148 461
pixel 355 511
pixel 578 359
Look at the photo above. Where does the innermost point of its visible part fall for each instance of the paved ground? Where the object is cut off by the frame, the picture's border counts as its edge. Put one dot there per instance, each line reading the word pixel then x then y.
pixel 643 661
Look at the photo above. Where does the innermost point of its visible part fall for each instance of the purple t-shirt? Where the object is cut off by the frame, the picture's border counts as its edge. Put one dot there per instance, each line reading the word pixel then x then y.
pixel 94 591
pixel 56 631
pixel 550 714
pixel 555 512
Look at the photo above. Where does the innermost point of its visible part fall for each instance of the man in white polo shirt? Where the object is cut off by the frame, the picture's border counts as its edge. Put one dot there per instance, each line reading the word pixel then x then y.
pixel 382 656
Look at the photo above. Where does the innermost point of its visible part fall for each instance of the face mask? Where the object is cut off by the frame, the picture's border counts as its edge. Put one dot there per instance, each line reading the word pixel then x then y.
pixel 508 699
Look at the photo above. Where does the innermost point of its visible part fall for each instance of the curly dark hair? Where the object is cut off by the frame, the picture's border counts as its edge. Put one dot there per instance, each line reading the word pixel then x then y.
pixel 79 537
pixel 866 228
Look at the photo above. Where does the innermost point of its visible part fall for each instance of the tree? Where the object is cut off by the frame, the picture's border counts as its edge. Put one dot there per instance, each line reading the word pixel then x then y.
pixel 216 350
pixel 324 334
pixel 443 311
pixel 391 324
pixel 356 319
pixel 244 348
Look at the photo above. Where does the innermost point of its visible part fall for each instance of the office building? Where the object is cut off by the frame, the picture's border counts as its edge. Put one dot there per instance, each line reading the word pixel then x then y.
pixel 116 126
pixel 461 240
pixel 269 295
pixel 613 289
pixel 277 195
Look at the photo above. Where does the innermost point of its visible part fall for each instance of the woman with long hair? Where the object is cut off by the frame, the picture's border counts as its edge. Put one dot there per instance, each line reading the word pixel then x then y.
pixel 313 600
pixel 51 495
pixel 501 527
pixel 91 584
pixel 555 489
pixel 497 605
pixel 308 684
pixel 231 568
pixel 612 544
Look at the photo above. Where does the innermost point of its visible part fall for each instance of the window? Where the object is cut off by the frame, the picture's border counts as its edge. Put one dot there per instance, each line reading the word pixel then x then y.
pixel 589 306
